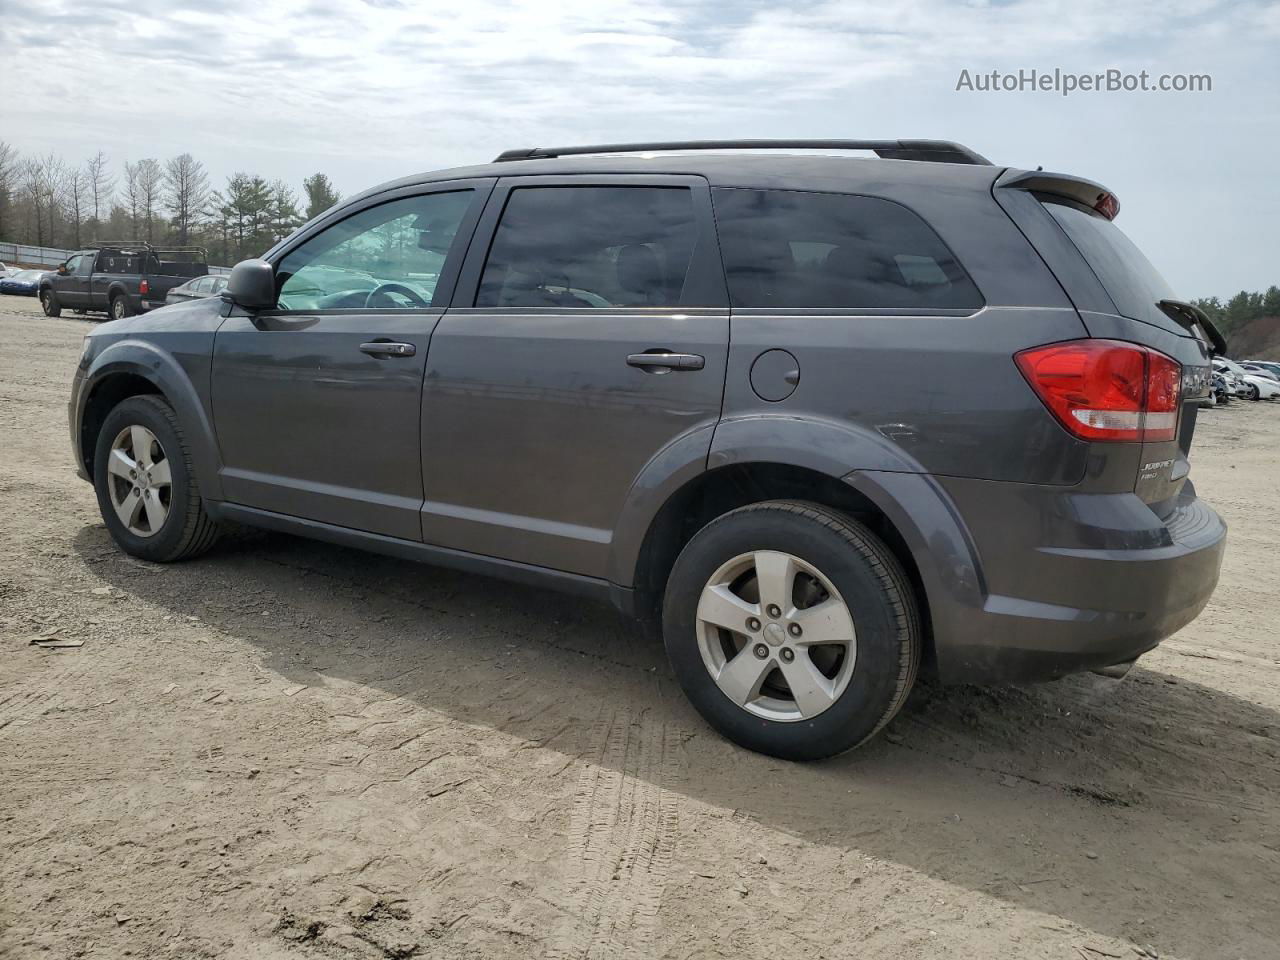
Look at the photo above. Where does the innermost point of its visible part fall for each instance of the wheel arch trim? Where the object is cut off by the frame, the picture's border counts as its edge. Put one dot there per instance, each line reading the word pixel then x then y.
pixel 145 360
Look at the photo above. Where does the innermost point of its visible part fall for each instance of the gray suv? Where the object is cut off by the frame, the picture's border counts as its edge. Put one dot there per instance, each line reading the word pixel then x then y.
pixel 829 420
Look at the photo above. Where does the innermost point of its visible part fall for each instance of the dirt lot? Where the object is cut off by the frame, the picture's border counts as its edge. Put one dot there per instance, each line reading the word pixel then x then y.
pixel 287 749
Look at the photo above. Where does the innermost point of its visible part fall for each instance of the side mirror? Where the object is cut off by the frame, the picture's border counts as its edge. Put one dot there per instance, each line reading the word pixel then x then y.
pixel 252 285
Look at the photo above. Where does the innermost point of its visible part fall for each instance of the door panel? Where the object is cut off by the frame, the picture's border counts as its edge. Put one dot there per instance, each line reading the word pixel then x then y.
pixel 311 426
pixel 317 403
pixel 540 406
pixel 534 426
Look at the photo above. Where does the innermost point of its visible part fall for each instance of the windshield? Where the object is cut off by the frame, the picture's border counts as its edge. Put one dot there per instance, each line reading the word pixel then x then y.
pixel 28 275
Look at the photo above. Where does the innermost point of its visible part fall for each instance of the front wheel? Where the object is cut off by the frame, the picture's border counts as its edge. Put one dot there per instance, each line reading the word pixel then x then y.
pixel 147 490
pixel 1254 392
pixel 49 303
pixel 792 629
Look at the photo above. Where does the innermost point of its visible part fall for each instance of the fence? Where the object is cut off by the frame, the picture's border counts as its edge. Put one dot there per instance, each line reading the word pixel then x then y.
pixel 21 254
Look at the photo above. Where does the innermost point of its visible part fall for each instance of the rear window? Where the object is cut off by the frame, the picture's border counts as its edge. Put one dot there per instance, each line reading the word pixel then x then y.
pixel 1133 284
pixel 826 250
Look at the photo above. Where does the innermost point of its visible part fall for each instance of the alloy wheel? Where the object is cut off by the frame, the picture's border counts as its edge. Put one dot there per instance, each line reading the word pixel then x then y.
pixel 139 481
pixel 776 636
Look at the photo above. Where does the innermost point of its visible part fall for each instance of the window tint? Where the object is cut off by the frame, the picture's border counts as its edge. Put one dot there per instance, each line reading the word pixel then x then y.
pixel 386 257
pixel 71 264
pixel 591 247
pixel 791 249
pixel 1128 277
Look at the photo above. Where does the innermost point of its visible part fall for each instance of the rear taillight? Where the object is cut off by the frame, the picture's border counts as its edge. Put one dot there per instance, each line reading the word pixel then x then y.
pixel 1106 389
pixel 144 288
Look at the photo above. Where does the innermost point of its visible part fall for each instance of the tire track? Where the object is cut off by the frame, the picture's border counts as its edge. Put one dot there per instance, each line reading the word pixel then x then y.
pixel 622 834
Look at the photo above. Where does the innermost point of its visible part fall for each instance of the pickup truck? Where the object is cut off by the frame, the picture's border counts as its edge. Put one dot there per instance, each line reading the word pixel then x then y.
pixel 120 279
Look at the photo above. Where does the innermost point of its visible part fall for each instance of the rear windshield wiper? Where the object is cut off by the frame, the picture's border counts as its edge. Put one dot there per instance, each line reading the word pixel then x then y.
pixel 1189 316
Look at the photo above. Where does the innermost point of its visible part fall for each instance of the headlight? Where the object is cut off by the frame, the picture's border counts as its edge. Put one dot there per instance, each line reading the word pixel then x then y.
pixel 86 352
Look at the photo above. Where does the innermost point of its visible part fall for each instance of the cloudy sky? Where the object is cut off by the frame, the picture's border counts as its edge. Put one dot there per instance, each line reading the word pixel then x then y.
pixel 367 90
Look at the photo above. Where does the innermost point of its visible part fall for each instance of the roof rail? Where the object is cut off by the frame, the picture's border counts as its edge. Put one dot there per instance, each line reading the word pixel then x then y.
pixel 939 151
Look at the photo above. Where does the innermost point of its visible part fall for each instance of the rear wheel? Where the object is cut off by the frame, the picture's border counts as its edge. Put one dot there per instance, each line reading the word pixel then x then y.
pixel 792 629
pixel 120 307
pixel 147 490
pixel 49 303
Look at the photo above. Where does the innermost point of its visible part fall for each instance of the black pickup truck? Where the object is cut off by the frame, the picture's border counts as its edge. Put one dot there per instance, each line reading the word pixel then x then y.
pixel 120 279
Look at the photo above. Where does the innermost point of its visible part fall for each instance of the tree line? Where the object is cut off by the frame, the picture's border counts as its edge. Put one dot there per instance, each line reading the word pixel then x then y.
pixel 50 202
pixel 1241 309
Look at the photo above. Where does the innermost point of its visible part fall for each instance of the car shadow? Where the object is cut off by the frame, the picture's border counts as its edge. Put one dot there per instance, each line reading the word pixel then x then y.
pixel 1129 808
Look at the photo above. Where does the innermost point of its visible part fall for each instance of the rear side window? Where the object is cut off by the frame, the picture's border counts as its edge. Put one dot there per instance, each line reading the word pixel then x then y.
pixel 591 247
pixel 789 249
pixel 1133 284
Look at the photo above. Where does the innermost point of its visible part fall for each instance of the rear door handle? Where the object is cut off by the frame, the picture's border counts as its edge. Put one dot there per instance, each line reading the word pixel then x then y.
pixel 388 348
pixel 663 361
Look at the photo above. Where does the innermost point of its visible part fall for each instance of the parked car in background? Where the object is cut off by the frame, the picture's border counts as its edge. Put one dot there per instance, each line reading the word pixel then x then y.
pixel 628 377
pixel 120 278
pixel 1219 393
pixel 1260 369
pixel 207 286
pixel 23 283
pixel 1271 365
pixel 1250 386
pixel 4 270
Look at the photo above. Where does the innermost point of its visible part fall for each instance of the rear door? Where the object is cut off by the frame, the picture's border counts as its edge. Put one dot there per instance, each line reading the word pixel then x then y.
pixel 317 402
pixel 589 332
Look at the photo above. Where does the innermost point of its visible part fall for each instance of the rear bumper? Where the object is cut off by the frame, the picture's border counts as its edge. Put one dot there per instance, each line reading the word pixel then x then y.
pixel 1076 581
pixel 1037 582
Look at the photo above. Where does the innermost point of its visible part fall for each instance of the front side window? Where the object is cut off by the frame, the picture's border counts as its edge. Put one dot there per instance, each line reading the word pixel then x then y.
pixel 387 257
pixel 604 247
pixel 789 249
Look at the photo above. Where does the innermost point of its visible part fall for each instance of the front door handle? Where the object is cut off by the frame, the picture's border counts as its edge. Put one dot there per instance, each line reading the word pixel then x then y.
pixel 664 361
pixel 387 348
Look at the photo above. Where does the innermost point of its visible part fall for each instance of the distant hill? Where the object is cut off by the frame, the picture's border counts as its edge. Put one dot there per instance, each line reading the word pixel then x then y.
pixel 1256 340
pixel 1249 321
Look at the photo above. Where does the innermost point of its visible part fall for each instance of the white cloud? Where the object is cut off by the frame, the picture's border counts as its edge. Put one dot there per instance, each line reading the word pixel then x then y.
pixel 371 90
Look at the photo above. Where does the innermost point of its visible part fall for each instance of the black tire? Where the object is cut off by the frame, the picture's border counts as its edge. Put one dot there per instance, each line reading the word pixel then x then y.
pixel 78 312
pixel 1254 392
pixel 869 579
pixel 49 303
pixel 119 307
pixel 188 531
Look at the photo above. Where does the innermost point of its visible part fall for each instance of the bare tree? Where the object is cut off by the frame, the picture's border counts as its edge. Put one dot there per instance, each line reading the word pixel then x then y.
pixel 9 167
pixel 132 195
pixel 75 199
pixel 186 187
pixel 41 183
pixel 150 183
pixel 101 184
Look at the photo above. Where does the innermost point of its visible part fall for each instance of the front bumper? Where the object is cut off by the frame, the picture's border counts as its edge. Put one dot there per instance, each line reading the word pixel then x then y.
pixel 1074 582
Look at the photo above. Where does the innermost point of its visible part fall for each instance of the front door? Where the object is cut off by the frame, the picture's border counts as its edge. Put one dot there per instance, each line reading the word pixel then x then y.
pixel 587 335
pixel 317 402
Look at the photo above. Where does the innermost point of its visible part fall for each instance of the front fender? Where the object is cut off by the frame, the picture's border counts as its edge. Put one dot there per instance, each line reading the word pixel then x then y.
pixel 162 369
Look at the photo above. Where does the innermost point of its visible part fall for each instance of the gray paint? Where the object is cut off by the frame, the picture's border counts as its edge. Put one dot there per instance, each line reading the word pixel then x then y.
pixel 520 443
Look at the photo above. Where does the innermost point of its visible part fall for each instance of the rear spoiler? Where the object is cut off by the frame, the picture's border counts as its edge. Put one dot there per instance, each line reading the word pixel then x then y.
pixel 1189 316
pixel 1091 194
